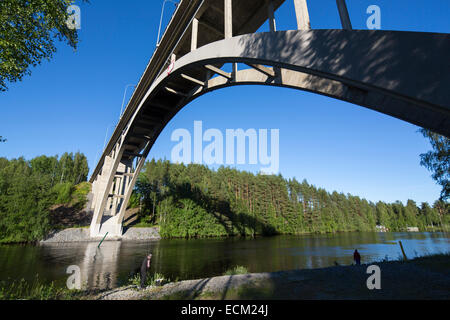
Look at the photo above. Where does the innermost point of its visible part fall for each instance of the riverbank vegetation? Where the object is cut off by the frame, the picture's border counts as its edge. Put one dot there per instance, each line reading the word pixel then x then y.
pixel 29 190
pixel 36 290
pixel 236 270
pixel 195 201
pixel 151 280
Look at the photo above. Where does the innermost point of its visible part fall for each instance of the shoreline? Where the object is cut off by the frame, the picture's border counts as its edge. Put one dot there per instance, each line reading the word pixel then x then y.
pixel 430 274
pixel 81 234
pixel 74 235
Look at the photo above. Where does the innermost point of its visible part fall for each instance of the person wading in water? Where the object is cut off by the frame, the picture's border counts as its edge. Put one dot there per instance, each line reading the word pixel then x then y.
pixel 145 267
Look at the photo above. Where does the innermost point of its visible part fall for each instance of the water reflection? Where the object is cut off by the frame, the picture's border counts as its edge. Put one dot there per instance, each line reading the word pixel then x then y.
pixel 99 268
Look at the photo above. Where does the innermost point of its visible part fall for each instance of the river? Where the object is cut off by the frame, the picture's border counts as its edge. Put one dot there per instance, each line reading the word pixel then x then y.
pixel 110 266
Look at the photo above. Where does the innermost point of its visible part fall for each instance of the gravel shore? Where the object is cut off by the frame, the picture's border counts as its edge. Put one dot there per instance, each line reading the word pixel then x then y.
pixel 416 279
pixel 82 235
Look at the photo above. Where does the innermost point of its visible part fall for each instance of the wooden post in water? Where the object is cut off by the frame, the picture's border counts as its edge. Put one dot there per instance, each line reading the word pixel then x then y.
pixel 403 251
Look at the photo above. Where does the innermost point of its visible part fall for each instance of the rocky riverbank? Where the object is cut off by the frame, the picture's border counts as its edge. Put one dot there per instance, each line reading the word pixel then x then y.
pixel 82 235
pixel 421 278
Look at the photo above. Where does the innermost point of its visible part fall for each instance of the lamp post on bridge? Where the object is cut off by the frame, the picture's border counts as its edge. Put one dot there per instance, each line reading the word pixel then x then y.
pixel 124 96
pixel 162 14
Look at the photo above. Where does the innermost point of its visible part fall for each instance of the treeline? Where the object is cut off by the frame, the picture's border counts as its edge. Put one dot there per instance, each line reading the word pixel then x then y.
pixel 28 189
pixel 194 201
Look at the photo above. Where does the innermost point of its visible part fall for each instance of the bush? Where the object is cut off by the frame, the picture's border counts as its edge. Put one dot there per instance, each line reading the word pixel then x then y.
pixel 150 281
pixel 63 192
pixel 236 270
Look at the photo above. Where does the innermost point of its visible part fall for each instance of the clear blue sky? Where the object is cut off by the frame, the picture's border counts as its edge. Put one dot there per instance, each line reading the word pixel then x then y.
pixel 67 104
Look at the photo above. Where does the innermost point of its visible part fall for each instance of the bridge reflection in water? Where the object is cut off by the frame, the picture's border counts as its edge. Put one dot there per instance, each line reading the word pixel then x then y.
pixel 99 265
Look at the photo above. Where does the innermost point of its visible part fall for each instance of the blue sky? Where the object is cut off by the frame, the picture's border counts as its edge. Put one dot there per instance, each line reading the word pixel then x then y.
pixel 69 103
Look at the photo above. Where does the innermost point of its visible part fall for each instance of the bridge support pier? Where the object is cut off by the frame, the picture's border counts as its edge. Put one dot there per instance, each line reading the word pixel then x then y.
pixel 104 195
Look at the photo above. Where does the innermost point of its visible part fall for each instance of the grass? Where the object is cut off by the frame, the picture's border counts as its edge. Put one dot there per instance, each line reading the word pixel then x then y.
pixel 150 281
pixel 23 290
pixel 434 262
pixel 236 270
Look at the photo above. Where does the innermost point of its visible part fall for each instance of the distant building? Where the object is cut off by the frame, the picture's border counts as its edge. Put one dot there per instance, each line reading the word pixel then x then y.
pixel 412 229
pixel 381 228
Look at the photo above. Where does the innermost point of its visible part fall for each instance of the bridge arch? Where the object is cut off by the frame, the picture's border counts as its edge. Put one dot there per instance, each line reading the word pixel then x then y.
pixel 401 74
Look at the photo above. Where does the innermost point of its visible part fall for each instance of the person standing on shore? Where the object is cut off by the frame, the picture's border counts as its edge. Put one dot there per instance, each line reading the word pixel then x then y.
pixel 357 257
pixel 145 267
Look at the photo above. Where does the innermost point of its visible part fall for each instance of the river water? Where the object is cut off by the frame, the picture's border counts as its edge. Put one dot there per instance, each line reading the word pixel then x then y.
pixel 110 266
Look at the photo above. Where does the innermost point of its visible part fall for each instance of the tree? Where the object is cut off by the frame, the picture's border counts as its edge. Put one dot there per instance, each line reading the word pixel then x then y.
pixel 27 33
pixel 28 189
pixel 438 160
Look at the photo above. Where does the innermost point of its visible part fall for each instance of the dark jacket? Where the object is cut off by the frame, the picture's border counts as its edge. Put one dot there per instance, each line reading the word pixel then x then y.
pixel 144 267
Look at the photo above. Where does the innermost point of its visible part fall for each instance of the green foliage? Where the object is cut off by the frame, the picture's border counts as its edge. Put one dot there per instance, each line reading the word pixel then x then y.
pixel 28 30
pixel 80 192
pixel 193 201
pixel 63 192
pixel 438 160
pixel 35 291
pixel 134 201
pixel 27 191
pixel 150 281
pixel 236 270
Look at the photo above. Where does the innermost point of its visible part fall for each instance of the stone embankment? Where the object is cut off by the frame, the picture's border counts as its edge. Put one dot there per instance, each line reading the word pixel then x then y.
pixel 82 235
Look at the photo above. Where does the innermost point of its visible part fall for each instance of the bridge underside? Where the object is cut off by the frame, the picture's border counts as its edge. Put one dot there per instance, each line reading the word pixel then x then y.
pixel 402 74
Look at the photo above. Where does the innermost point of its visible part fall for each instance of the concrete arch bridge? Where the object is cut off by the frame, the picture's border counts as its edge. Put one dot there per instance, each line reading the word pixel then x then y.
pixel 402 74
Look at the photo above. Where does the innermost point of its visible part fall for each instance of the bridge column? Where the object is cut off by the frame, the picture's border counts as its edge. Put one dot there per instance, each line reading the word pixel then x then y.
pixel 301 11
pixel 228 18
pixel 343 13
pixel 94 192
pixel 128 189
pixel 109 170
pixel 270 10
pixel 194 34
pixel 100 187
pixel 119 180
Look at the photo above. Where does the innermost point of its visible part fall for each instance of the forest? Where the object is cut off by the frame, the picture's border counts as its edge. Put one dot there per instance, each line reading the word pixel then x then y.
pixel 190 201
pixel 195 201
pixel 28 190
